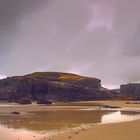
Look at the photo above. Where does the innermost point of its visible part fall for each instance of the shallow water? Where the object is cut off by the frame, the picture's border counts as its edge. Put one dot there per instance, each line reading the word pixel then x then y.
pixel 17 134
pixel 53 119
pixel 33 125
pixel 120 116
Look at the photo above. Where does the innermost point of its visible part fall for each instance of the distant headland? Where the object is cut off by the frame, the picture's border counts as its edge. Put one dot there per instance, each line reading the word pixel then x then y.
pixel 56 86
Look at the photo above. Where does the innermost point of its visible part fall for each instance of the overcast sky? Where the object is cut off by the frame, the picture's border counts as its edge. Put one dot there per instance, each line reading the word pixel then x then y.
pixel 98 38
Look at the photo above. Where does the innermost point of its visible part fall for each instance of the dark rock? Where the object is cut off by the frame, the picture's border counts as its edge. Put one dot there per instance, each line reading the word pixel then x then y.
pixel 115 90
pixel 24 101
pixel 132 102
pixel 54 86
pixel 43 101
pixel 108 106
pixel 132 89
pixel 16 113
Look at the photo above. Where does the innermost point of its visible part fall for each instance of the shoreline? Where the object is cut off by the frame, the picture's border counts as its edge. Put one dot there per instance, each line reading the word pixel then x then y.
pixel 70 133
pixel 126 130
pixel 98 131
pixel 113 131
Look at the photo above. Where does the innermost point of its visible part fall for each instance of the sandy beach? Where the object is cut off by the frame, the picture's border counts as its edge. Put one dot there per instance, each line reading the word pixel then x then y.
pixel 118 131
pixel 115 131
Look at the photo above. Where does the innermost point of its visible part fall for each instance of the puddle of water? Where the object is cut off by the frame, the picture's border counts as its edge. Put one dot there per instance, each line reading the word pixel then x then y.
pixel 51 120
pixel 119 116
pixel 17 134
pixel 32 126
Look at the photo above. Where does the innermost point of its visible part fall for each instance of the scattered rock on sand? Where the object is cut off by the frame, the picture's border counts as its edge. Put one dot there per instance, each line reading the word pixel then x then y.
pixel 16 113
pixel 108 106
pixel 43 101
pixel 24 101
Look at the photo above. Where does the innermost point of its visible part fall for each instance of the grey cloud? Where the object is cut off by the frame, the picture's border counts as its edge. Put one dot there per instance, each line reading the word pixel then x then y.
pixel 132 48
pixel 55 37
pixel 11 14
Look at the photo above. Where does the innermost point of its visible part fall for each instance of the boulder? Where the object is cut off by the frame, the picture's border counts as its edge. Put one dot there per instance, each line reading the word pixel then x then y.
pixel 16 113
pixel 43 101
pixel 24 101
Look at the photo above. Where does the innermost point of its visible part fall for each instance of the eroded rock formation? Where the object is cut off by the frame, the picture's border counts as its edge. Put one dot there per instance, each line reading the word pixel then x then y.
pixel 54 86
pixel 132 89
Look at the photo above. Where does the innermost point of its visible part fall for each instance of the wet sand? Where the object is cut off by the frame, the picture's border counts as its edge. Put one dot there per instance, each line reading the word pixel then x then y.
pixel 117 131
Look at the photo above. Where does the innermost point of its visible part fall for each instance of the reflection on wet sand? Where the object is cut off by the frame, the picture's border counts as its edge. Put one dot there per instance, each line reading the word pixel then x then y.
pixel 18 134
pixel 120 116
pixel 50 120
pixel 38 120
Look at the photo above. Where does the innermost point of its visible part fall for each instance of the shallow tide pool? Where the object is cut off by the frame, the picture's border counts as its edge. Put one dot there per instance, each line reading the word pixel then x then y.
pixel 34 125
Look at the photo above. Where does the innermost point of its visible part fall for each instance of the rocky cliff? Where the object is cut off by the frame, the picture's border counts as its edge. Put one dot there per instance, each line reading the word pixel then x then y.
pixel 132 89
pixel 54 86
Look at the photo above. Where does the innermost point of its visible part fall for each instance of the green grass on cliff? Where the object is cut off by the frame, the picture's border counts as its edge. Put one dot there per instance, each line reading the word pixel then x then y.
pixel 57 75
pixel 48 74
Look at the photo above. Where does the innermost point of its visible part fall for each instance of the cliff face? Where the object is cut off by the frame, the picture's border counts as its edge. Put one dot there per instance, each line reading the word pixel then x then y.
pixel 132 89
pixel 53 86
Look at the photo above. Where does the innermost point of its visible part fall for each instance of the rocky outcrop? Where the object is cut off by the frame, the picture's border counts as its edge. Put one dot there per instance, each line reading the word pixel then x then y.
pixel 24 101
pixel 115 90
pixel 53 86
pixel 132 89
pixel 44 101
pixel 16 113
